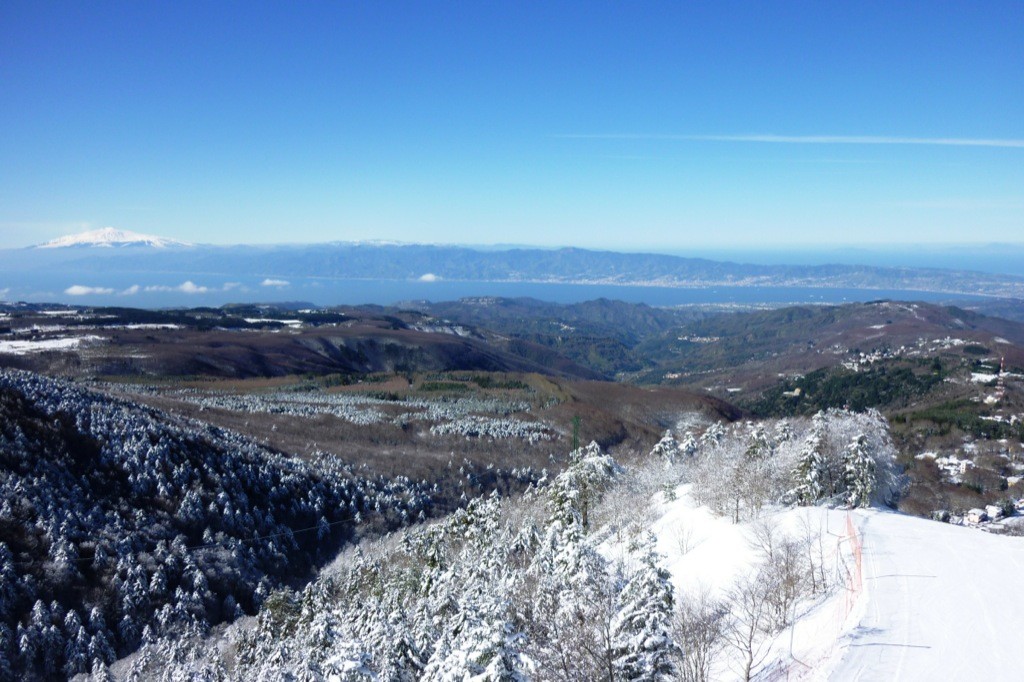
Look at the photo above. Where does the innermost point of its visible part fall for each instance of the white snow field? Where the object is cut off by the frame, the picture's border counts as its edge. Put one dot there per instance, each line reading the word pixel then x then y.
pixel 22 347
pixel 704 552
pixel 940 602
pixel 935 602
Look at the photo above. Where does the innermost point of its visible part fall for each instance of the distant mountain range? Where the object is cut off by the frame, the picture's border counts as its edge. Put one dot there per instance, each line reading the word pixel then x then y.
pixel 92 255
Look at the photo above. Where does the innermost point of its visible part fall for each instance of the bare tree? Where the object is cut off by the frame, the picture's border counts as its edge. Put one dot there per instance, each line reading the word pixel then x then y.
pixel 698 630
pixel 812 541
pixel 786 562
pixel 685 538
pixel 749 629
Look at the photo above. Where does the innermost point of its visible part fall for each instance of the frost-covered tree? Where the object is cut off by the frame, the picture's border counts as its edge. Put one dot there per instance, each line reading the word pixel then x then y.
pixel 760 444
pixel 698 626
pixel 574 589
pixel 667 448
pixel 7 649
pixel 642 628
pixel 783 431
pixel 164 524
pixel 712 435
pixel 573 604
pixel 574 491
pixel 810 471
pixel 859 468
pixel 689 444
pixel 482 645
pixel 749 623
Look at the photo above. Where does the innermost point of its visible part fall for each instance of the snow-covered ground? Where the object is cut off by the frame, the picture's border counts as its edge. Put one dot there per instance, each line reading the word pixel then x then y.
pixel 935 602
pixel 263 320
pixel 940 603
pixel 21 347
pixel 702 551
pixel 707 553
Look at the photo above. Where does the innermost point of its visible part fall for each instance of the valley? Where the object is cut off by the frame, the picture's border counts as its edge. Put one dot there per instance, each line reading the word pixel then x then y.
pixel 401 389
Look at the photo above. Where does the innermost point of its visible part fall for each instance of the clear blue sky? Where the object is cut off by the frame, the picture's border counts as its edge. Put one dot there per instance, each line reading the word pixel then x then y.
pixel 659 125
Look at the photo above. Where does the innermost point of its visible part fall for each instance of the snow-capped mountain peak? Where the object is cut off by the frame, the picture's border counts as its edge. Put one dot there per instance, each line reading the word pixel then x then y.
pixel 109 237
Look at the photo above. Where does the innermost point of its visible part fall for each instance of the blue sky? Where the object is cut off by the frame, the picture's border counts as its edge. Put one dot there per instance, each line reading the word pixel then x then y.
pixel 656 126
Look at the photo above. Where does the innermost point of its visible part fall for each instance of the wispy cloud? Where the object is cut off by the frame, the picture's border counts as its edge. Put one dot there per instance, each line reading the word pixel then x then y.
pixel 813 139
pixel 274 283
pixel 187 287
pixel 81 290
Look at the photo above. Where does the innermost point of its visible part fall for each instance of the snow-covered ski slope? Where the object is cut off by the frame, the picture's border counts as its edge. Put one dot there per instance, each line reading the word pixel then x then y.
pixel 940 602
pixel 933 601
pixel 705 552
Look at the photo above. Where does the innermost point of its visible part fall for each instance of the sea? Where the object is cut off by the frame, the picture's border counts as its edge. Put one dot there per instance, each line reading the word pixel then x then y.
pixel 170 290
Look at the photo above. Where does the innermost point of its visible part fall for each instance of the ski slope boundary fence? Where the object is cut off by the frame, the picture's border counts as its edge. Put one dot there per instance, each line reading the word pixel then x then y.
pixel 849 573
pixel 850 569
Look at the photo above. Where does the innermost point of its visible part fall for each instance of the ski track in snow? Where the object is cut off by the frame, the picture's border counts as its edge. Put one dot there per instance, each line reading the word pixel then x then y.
pixel 941 603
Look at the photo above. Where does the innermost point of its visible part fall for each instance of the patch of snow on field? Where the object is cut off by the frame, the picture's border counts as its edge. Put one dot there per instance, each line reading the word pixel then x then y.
pixel 143 326
pixel 946 343
pixel 44 345
pixel 983 377
pixel 952 466
pixel 263 320
pixel 41 329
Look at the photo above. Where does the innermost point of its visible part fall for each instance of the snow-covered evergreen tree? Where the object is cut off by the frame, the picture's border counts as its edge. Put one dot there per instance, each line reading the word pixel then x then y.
pixel 667 448
pixel 689 444
pixel 859 468
pixel 783 431
pixel 574 490
pixel 7 648
pixel 760 444
pixel 712 435
pixel 642 644
pixel 810 471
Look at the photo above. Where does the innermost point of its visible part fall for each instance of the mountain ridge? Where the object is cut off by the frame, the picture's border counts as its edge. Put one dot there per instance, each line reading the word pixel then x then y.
pixel 110 237
pixel 114 259
pixel 562 266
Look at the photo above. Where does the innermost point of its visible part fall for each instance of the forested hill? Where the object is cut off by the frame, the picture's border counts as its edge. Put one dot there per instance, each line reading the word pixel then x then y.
pixel 119 523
